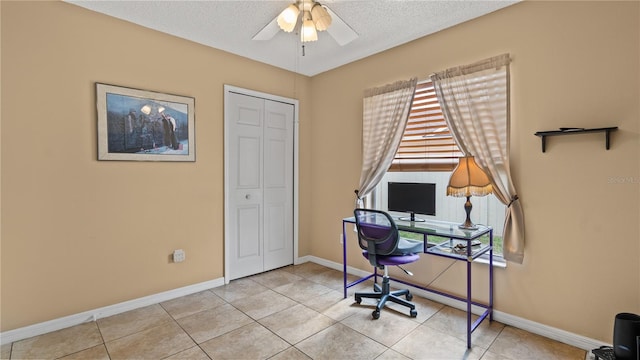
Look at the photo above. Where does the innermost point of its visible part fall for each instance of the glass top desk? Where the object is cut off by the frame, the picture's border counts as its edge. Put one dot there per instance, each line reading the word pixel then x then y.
pixel 441 238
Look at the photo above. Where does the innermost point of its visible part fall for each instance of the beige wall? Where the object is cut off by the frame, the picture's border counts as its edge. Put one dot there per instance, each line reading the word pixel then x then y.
pixel 78 234
pixel 574 64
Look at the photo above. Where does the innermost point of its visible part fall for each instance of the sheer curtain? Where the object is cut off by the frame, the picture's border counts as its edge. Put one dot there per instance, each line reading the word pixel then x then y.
pixel 475 103
pixel 385 113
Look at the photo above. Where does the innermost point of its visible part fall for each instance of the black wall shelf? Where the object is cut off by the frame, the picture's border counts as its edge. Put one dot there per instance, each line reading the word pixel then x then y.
pixel 571 131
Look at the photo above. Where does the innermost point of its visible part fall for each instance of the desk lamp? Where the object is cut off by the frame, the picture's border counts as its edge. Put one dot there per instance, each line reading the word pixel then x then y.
pixel 468 179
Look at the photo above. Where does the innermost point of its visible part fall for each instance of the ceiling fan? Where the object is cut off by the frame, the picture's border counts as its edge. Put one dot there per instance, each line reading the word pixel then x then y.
pixel 314 17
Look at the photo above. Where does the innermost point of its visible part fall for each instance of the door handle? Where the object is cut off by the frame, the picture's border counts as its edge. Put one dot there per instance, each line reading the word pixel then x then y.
pixel 247 196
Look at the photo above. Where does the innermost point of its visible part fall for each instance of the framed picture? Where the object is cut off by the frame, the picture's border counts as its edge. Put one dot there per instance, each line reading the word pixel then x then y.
pixel 144 125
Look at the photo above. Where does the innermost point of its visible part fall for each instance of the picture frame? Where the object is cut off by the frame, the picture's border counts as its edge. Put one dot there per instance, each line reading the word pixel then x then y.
pixel 142 125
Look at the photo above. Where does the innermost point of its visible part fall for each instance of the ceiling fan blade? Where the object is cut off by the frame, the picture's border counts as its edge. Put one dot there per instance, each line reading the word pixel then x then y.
pixel 268 32
pixel 339 29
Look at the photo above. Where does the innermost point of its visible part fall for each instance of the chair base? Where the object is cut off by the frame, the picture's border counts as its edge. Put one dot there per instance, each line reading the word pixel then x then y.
pixel 384 294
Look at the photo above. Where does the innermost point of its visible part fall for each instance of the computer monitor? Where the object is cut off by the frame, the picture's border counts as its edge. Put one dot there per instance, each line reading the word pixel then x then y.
pixel 413 198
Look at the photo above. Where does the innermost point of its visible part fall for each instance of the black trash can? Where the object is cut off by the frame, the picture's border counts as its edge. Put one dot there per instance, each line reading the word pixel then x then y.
pixel 626 331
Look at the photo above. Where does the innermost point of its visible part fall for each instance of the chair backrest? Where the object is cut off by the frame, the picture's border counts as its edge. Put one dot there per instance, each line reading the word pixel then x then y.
pixel 377 232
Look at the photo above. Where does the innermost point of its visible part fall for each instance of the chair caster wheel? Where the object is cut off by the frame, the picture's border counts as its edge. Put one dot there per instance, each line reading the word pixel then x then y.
pixel 409 297
pixel 413 313
pixel 358 299
pixel 375 314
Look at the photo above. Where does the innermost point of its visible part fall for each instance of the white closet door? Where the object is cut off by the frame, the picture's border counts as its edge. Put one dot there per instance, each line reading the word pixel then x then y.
pixel 245 123
pixel 278 185
pixel 259 215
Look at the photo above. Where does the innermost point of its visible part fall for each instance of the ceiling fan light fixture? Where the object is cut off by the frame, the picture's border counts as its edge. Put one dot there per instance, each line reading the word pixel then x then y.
pixel 308 30
pixel 288 18
pixel 321 17
pixel 299 16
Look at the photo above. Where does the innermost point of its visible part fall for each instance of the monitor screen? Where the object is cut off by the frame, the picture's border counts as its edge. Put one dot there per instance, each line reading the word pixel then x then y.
pixel 413 198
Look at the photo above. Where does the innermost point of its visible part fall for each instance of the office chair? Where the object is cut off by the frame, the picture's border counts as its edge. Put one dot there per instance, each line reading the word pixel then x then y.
pixel 382 246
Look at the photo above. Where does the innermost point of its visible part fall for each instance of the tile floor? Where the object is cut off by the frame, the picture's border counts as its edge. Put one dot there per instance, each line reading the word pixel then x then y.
pixel 296 312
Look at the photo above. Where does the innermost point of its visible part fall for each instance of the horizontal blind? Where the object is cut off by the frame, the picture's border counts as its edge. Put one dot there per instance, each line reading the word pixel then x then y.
pixel 427 143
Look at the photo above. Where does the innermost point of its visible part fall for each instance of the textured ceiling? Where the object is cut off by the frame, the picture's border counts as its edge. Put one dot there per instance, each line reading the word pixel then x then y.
pixel 231 25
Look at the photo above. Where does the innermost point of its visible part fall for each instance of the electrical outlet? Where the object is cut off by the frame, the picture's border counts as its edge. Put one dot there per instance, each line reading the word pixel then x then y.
pixel 340 239
pixel 178 255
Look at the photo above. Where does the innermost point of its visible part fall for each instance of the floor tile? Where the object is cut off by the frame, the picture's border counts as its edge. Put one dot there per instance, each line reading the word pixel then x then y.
pixel 519 344
pixel 363 287
pixel 340 342
pixel 330 278
pixel 425 308
pixel 194 353
pixel 392 355
pixel 127 323
pixel 95 353
pixel 488 355
pixel 427 343
pixel 302 290
pixel 323 302
pixel 291 353
pixel 305 269
pixel 191 304
pixel 58 343
pixel 208 324
pixel 387 330
pixel 252 341
pixel 333 305
pixel 237 289
pixel 454 322
pixel 296 323
pixel 5 351
pixel 263 304
pixel 154 343
pixel 275 278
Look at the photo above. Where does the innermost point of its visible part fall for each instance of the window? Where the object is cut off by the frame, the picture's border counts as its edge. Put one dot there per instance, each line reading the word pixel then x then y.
pixel 428 153
pixel 427 144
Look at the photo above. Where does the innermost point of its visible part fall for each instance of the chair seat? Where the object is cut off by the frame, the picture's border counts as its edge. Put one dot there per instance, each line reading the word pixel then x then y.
pixel 392 260
pixel 407 252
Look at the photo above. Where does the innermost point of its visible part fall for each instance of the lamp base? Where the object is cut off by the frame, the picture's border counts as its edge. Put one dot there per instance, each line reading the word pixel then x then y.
pixel 468 225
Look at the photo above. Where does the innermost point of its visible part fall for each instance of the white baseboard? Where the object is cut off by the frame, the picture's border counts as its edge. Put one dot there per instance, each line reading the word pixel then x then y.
pixel 304 259
pixel 93 315
pixel 533 327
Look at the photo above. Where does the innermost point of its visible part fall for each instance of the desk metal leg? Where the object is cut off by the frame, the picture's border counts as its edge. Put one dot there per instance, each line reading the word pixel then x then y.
pixel 344 258
pixel 468 304
pixel 491 275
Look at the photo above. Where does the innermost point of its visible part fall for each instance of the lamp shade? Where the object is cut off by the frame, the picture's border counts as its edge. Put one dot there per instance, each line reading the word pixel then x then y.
pixel 468 179
pixel 288 18
pixel 321 17
pixel 308 30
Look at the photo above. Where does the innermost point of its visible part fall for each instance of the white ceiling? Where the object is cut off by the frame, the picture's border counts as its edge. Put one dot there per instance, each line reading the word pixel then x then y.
pixel 230 26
